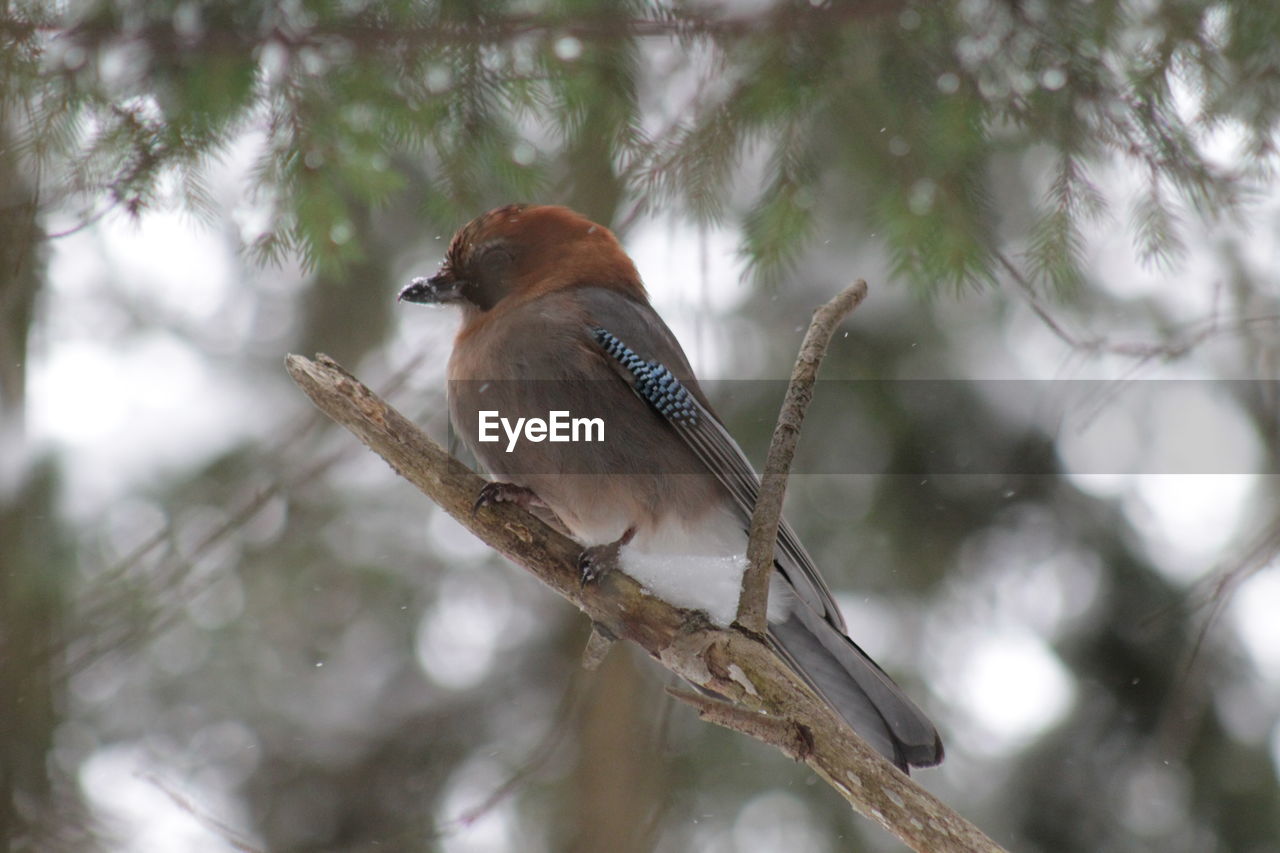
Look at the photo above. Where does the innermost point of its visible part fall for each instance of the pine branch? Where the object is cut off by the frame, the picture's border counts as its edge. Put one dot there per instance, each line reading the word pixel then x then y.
pixel 729 662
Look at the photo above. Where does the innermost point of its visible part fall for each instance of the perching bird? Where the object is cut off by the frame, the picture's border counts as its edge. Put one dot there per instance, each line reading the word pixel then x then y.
pixel 555 319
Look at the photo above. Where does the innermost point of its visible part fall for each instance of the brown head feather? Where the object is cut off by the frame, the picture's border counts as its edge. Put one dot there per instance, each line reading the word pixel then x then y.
pixel 519 252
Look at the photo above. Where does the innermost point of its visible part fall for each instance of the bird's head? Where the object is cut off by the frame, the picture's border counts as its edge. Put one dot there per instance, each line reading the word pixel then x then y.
pixel 525 250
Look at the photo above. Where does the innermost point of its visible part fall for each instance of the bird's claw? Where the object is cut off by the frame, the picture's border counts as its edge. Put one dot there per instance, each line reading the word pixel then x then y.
pixel 598 560
pixel 497 493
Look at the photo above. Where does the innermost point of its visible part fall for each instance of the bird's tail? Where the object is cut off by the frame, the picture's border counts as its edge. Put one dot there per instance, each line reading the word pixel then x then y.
pixel 857 688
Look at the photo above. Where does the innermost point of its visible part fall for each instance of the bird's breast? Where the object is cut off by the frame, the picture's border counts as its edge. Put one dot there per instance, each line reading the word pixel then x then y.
pixel 535 400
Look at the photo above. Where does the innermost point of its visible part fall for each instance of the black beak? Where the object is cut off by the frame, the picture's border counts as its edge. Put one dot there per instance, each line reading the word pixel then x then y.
pixel 437 290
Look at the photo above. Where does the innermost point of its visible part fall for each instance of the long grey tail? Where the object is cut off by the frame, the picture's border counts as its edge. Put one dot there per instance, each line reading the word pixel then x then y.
pixel 857 688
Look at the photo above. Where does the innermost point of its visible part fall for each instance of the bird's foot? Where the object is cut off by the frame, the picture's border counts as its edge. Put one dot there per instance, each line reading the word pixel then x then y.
pixel 598 560
pixel 500 493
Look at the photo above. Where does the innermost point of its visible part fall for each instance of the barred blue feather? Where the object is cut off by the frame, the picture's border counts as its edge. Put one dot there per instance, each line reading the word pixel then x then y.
pixel 653 381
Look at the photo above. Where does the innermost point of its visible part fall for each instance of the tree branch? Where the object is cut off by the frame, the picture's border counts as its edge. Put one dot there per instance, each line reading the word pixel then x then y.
pixel 729 662
pixel 753 601
pixel 490 30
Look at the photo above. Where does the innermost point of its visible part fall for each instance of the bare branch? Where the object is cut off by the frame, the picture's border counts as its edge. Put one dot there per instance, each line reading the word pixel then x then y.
pixel 792 738
pixel 1186 704
pixel 729 662
pixel 598 645
pixel 1192 335
pixel 492 29
pixel 765 518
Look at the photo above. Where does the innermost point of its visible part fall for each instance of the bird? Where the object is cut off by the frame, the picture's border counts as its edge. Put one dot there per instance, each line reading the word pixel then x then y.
pixel 555 319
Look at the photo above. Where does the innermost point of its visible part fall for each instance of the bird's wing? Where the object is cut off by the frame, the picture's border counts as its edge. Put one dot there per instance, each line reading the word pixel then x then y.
pixel 811 638
pixel 644 352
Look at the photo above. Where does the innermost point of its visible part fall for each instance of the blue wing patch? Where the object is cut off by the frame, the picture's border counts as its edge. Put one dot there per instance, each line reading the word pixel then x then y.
pixel 653 381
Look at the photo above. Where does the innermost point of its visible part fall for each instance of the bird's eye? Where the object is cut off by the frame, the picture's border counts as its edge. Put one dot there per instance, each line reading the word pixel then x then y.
pixel 493 260
pixel 488 275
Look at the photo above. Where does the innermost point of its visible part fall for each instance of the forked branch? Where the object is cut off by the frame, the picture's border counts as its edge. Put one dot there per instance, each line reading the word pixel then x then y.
pixel 729 662
pixel 753 600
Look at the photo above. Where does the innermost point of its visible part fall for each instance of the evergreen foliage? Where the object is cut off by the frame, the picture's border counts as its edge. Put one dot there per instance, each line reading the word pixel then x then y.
pixel 908 107
pixel 265 620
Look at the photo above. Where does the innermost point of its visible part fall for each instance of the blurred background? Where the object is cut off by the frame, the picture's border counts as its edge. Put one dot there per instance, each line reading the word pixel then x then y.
pixel 226 626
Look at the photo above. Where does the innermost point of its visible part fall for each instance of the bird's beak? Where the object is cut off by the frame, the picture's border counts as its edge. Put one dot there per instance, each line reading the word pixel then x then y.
pixel 437 290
